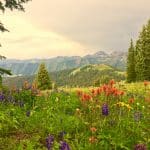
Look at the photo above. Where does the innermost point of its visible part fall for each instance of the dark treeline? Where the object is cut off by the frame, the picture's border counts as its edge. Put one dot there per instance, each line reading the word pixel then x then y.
pixel 138 62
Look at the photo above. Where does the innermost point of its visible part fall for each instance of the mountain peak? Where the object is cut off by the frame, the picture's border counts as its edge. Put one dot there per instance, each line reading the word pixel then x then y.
pixel 100 53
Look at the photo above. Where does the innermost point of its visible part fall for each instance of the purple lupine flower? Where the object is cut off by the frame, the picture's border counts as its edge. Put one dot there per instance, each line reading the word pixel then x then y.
pixel 49 142
pixel 140 147
pixel 2 97
pixel 28 113
pixel 105 110
pixel 64 146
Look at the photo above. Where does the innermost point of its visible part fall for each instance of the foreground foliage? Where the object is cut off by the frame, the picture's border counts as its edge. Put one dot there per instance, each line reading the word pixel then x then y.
pixel 110 117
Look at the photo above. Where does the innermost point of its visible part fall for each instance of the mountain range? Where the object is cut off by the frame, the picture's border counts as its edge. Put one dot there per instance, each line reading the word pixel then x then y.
pixel 115 59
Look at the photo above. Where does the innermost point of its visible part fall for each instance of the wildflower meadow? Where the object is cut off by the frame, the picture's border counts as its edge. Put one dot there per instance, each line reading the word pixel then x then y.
pixel 114 116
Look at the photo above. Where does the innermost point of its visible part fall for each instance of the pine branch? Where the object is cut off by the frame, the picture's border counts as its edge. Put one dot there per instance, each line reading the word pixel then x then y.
pixel 4 71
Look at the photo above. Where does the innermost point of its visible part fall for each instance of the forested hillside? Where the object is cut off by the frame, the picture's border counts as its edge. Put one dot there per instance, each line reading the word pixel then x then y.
pixel 83 76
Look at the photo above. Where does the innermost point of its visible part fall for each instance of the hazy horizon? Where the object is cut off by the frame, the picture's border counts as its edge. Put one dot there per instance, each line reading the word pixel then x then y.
pixel 72 28
pixel 40 58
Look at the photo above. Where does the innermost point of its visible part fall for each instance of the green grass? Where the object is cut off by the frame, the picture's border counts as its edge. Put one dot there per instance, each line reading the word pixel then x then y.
pixel 65 111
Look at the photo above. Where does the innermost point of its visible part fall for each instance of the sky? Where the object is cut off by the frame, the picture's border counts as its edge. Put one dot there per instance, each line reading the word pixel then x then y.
pixel 72 27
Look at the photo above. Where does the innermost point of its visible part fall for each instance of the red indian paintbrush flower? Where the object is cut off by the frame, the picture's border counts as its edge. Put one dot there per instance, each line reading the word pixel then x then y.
pixel 131 100
pixel 94 92
pixel 93 129
pixel 92 139
pixel 86 97
pixel 79 93
pixel 111 82
pixel 99 91
pixel 104 87
pixel 146 83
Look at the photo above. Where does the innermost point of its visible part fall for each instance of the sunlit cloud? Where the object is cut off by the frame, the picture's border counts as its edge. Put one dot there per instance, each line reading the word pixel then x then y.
pixel 26 40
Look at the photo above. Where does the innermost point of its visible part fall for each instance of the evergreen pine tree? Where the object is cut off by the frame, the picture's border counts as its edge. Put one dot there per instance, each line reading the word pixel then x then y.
pixel 43 79
pixel 142 66
pixel 138 60
pixel 146 54
pixel 131 76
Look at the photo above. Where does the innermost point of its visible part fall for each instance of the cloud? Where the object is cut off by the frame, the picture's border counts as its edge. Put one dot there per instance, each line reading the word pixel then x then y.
pixel 26 40
pixel 99 24
pixel 74 27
